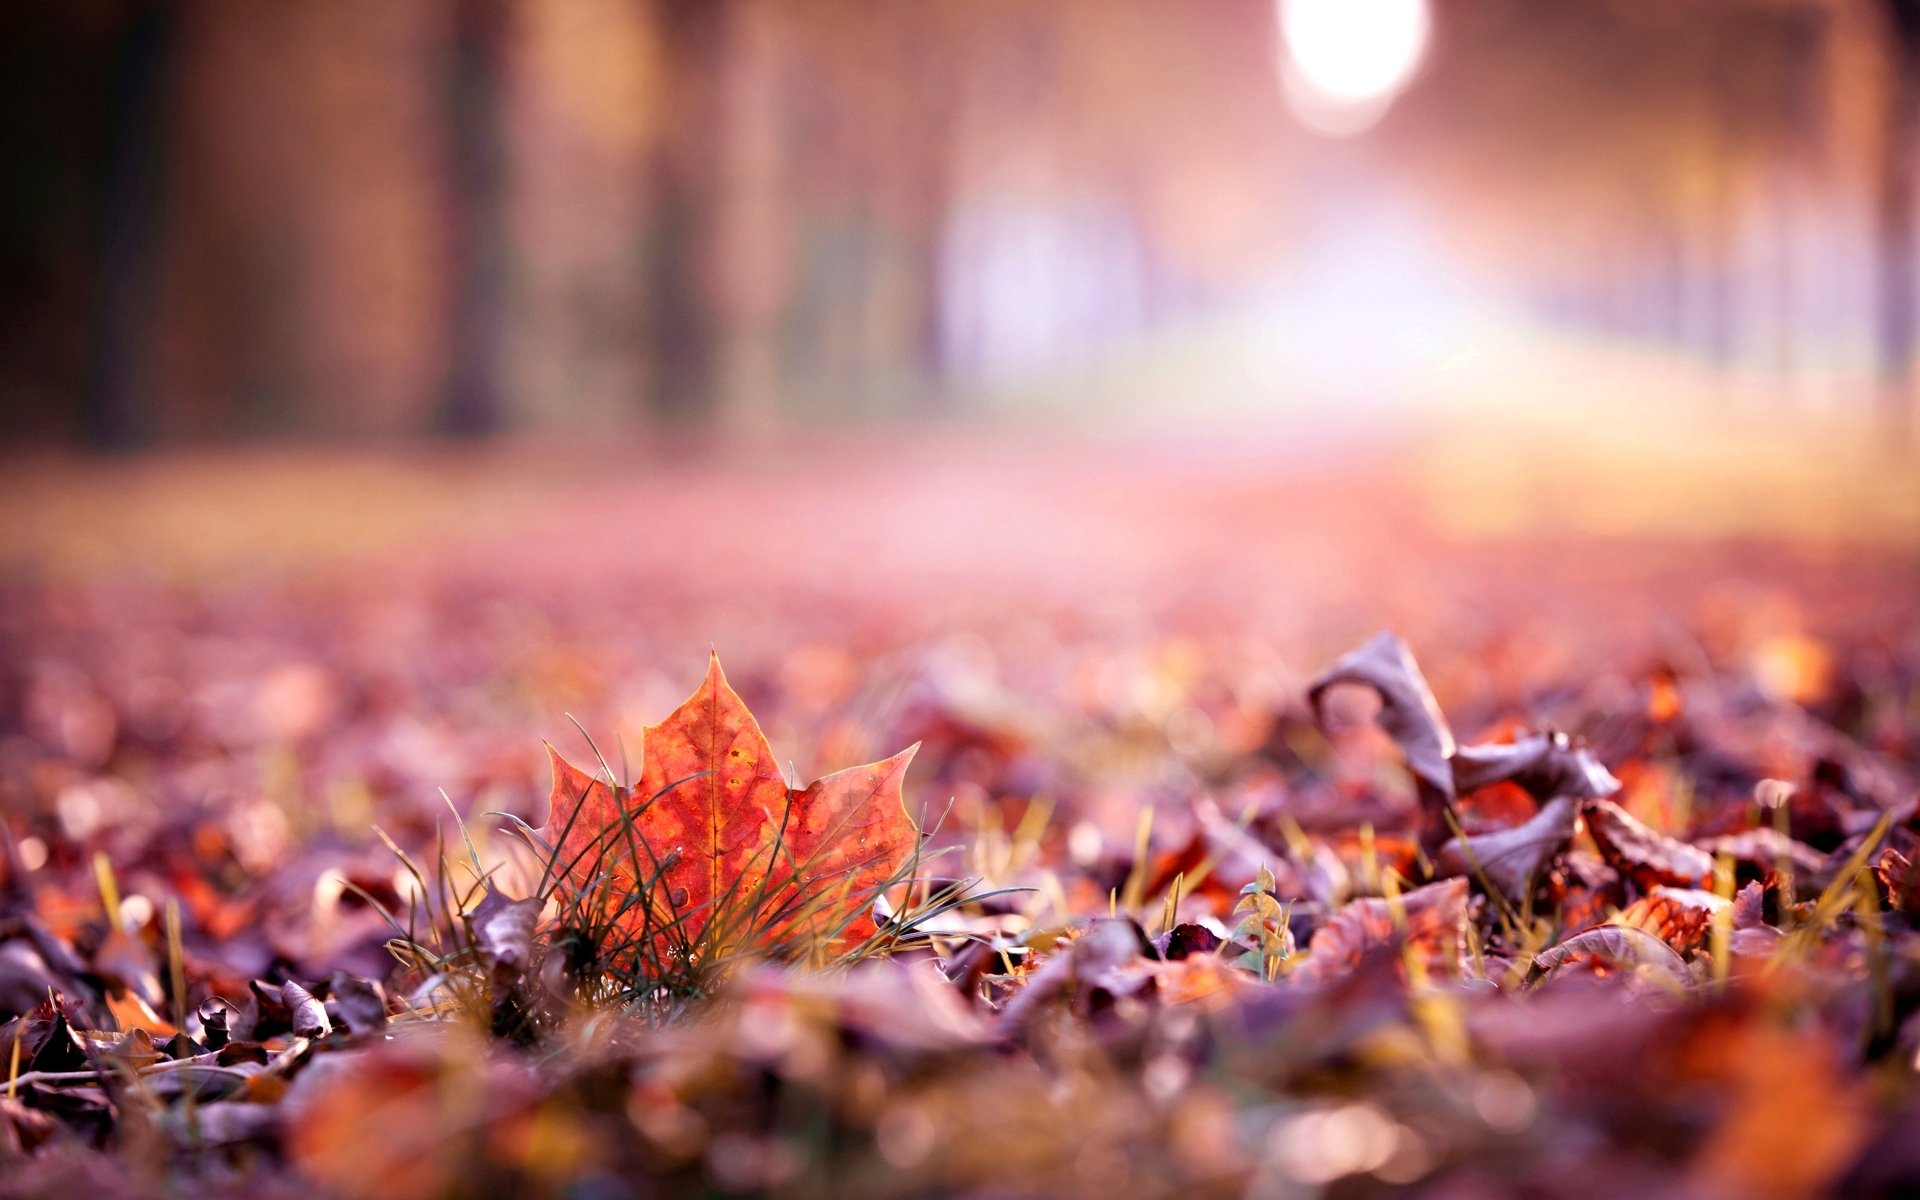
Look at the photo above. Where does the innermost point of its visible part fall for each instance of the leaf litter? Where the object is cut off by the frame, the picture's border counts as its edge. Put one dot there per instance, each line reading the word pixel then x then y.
pixel 1655 935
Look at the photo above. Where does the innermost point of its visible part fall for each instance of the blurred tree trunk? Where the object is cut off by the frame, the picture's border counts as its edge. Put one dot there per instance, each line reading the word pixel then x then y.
pixel 749 259
pixel 934 48
pixel 722 255
pixel 117 410
pixel 1900 160
pixel 470 400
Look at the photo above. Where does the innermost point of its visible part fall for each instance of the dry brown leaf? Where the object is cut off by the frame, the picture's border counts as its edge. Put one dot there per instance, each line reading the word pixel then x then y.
pixel 1431 918
pixel 1642 855
pixel 1408 712
pixel 1609 948
pixel 1511 859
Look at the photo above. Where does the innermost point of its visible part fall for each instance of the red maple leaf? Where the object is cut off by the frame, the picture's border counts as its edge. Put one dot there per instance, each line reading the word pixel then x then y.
pixel 719 842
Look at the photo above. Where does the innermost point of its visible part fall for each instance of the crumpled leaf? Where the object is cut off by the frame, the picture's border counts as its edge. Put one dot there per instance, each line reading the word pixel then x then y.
pixel 306 1014
pixel 1408 712
pixel 1187 939
pixel 1546 764
pixel 1434 919
pixel 1205 980
pixel 1750 906
pixel 1512 858
pixel 181 1046
pixel 413 1114
pixel 216 1019
pixel 1679 917
pixel 22 1130
pixel 502 930
pixel 361 1003
pixel 729 840
pixel 1107 962
pixel 1641 854
pixel 134 1048
pixel 1898 882
pixel 1608 948
pixel 60 1047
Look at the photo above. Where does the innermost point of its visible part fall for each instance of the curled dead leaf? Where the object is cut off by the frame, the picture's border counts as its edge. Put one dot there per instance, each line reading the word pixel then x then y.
pixel 1546 764
pixel 1187 939
pixel 502 930
pixel 306 1014
pixel 1897 881
pixel 1108 961
pixel 1431 918
pixel 1512 859
pixel 1641 854
pixel 216 1021
pixel 361 1003
pixel 1610 948
pixel 1408 712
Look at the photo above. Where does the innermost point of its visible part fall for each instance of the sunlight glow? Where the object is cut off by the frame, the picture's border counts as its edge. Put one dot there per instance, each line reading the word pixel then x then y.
pixel 1344 61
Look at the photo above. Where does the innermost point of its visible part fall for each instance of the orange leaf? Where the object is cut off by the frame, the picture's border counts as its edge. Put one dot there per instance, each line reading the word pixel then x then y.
pixel 728 840
pixel 1677 916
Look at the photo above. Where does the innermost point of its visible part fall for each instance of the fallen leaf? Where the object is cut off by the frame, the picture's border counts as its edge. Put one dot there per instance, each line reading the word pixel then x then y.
pixel 1677 916
pixel 22 1130
pixel 1107 962
pixel 1431 918
pixel 502 931
pixel 223 1123
pixel 361 1003
pixel 1187 939
pixel 733 847
pixel 1546 764
pixel 1408 712
pixel 306 1014
pixel 60 1048
pixel 1512 859
pixel 216 1017
pixel 1609 948
pixel 1795 1119
pixel 903 1008
pixel 1205 980
pixel 1642 855
pixel 1898 882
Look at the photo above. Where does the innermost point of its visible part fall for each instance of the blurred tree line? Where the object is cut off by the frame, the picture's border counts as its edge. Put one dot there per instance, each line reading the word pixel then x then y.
pixel 368 218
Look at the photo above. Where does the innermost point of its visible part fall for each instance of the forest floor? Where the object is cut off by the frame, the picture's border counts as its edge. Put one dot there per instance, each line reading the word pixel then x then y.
pixel 1228 896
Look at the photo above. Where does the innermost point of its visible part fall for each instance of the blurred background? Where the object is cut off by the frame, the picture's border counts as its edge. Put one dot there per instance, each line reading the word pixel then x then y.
pixel 362 220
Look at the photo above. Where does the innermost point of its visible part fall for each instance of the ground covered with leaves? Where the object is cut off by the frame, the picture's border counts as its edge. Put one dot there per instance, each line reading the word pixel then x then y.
pixel 1081 834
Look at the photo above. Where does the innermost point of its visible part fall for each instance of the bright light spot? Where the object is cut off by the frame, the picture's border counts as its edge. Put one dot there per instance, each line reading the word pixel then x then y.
pixel 33 853
pixel 1319 1147
pixel 135 911
pixel 1503 1101
pixel 1346 60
